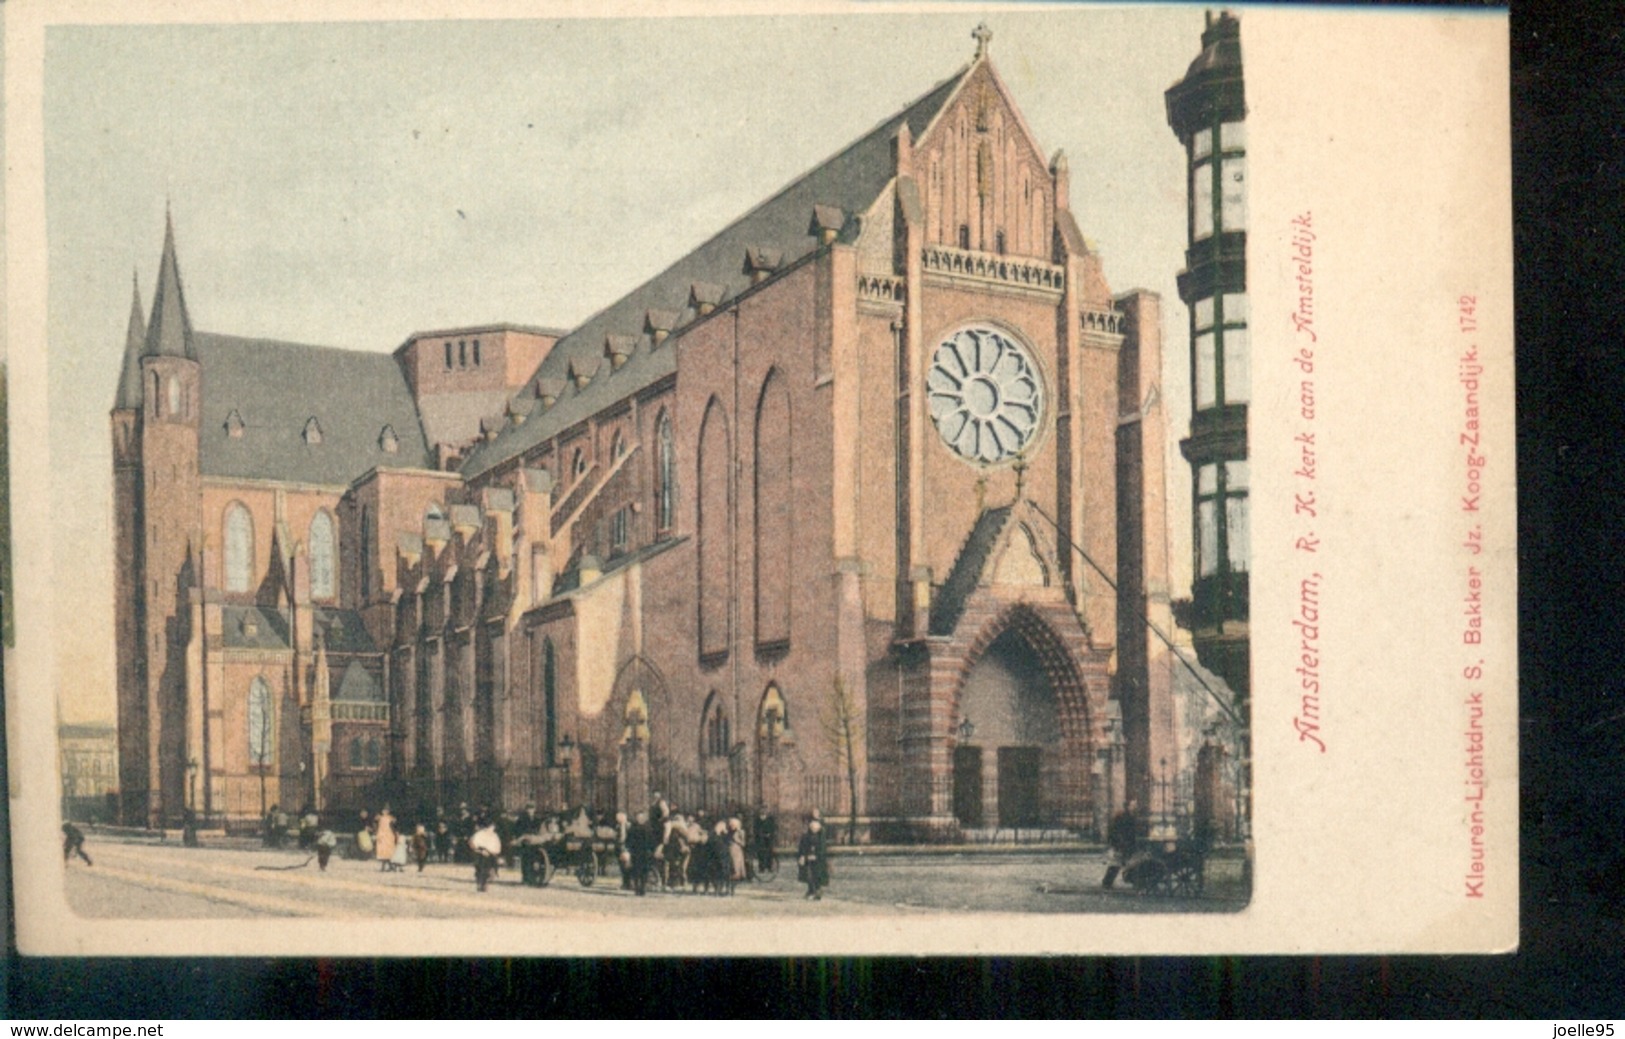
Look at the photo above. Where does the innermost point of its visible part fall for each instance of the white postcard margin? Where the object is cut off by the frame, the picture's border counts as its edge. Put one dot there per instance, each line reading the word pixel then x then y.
pixel 1380 142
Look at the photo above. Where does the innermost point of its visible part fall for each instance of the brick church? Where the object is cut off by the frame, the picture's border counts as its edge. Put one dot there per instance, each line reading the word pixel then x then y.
pixel 860 506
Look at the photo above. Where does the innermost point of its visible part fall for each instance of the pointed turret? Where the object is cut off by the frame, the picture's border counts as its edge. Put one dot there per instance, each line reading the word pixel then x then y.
pixel 169 334
pixel 135 341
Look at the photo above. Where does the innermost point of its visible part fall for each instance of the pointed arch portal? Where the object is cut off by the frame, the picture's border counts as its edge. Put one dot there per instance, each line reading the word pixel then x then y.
pixel 1020 727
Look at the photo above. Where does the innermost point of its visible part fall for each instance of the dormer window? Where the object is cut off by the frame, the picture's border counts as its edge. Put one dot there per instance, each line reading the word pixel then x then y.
pixel 313 431
pixel 388 442
pixel 234 425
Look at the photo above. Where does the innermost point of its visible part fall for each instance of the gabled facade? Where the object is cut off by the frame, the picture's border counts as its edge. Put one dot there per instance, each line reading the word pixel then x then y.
pixel 858 506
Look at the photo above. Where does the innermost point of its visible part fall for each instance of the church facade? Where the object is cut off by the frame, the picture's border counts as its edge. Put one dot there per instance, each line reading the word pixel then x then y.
pixel 859 506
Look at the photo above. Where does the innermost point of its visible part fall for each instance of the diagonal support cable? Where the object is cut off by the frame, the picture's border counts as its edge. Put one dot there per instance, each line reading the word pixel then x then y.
pixel 1166 641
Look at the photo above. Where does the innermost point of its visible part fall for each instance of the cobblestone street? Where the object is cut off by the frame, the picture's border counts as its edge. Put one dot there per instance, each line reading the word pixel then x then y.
pixel 143 879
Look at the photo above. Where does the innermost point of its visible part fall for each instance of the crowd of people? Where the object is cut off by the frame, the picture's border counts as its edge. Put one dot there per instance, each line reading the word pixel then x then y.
pixel 697 851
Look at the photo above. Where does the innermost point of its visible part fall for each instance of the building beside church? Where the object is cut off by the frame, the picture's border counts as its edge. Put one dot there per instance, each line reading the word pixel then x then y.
pixel 89 770
pixel 1207 111
pixel 860 505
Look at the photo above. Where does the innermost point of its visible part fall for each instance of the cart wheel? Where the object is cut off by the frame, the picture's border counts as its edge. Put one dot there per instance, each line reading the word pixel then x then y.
pixel 587 872
pixel 544 868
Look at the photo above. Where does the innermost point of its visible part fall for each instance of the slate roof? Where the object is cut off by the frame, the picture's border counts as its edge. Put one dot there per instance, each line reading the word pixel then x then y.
pixel 850 180
pixel 277 387
pixel 135 341
pixel 949 604
pixel 358 684
pixel 343 631
pixel 170 331
pixel 270 628
pixel 454 418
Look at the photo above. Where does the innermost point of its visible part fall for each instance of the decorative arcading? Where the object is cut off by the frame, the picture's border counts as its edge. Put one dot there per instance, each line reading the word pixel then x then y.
pixel 346 711
pixel 880 288
pixel 968 263
pixel 1107 321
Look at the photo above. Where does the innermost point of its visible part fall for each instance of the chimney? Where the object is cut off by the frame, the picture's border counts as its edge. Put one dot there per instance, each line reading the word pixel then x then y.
pixel 1061 170
pixel 902 151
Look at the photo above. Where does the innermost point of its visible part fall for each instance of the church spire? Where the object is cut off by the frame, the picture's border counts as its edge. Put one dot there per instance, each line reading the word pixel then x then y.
pixel 135 342
pixel 170 331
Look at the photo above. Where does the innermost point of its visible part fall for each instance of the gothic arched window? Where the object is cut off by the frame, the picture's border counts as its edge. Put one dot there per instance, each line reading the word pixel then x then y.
pixel 774 501
pixel 355 752
pixel 321 556
pixel 261 723
pixel 714 533
pixel 715 738
pixel 239 548
pixel 665 476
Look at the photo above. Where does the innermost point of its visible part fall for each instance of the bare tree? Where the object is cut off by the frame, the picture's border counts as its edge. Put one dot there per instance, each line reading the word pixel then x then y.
pixel 843 726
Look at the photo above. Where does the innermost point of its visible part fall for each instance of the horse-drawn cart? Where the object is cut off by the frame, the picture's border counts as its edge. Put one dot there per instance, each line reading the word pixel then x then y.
pixel 1173 868
pixel 542 855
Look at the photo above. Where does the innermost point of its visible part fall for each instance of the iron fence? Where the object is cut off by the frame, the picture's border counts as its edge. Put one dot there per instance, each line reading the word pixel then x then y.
pixel 713 792
pixel 828 794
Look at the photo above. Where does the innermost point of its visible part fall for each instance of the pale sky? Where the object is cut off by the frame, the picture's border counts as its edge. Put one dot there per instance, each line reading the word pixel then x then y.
pixel 349 184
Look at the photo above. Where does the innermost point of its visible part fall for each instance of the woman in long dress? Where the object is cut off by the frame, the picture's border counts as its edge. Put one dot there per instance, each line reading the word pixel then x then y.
pixel 736 851
pixel 384 840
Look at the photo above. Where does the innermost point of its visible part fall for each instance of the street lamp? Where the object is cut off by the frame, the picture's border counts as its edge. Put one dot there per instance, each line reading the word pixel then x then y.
pixel 567 747
pixel 1162 791
pixel 191 784
pixel 966 729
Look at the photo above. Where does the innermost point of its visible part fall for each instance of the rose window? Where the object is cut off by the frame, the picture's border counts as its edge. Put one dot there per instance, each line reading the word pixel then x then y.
pixel 984 396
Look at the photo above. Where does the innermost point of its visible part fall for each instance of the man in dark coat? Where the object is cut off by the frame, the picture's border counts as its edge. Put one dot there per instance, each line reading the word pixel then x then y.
pixel 73 843
pixel 812 857
pixel 765 833
pixel 640 846
pixel 1122 838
